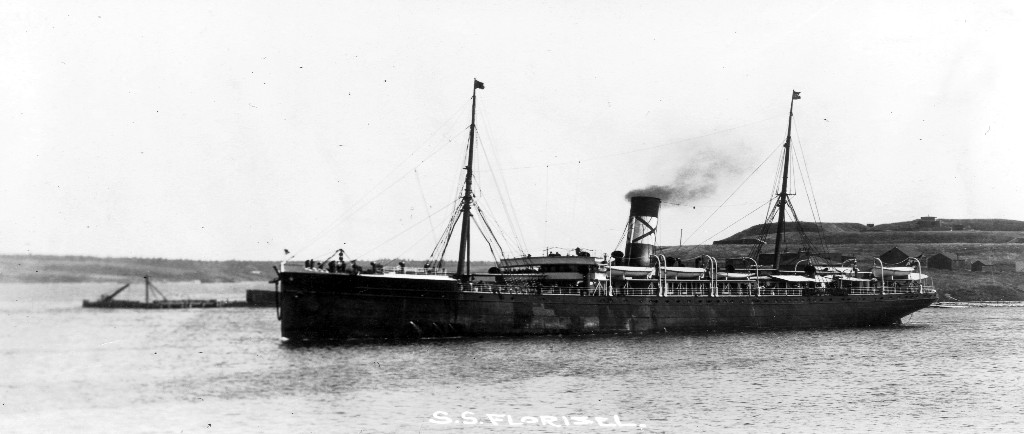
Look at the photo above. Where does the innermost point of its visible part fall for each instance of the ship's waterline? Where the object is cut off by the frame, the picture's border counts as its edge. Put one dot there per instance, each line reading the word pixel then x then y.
pixel 636 290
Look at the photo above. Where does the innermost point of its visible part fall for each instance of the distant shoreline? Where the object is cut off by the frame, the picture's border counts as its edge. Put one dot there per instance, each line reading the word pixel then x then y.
pixel 77 269
pixel 953 285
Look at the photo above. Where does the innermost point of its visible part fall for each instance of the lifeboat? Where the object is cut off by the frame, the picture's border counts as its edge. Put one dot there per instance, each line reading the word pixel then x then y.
pixel 683 272
pixel 892 272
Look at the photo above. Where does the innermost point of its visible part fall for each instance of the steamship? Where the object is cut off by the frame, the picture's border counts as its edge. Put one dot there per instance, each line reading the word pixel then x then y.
pixel 636 290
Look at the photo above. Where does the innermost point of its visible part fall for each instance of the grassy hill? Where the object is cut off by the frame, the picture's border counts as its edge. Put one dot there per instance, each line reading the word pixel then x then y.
pixel 985 231
pixel 997 225
pixel 756 230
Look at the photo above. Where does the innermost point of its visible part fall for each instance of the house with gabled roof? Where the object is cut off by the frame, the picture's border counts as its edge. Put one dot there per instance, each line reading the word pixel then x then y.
pixel 945 261
pixel 899 254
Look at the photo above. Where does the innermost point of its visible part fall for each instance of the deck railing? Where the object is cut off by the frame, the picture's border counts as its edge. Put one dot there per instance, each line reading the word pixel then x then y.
pixel 676 292
pixel 415 270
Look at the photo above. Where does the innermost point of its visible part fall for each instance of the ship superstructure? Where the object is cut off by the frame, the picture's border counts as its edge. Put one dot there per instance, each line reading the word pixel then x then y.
pixel 635 290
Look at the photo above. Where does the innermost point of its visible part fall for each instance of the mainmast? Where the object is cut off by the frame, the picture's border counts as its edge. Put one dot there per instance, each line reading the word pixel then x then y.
pixel 467 199
pixel 781 229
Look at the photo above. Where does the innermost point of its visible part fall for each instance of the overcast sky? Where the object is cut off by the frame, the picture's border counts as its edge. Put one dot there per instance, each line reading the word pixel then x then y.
pixel 236 129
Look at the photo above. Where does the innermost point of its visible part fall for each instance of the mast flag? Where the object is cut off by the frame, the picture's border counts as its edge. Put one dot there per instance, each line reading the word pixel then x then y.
pixel 477 84
pixel 796 95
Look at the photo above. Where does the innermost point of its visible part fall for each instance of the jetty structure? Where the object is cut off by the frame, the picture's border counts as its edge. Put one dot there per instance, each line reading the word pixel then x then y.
pixel 108 300
pixel 636 290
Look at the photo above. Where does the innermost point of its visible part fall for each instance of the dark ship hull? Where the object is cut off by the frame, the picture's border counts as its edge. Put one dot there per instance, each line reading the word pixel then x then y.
pixel 635 291
pixel 318 306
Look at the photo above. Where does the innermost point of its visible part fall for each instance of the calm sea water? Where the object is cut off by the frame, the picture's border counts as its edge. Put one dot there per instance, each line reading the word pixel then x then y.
pixel 68 369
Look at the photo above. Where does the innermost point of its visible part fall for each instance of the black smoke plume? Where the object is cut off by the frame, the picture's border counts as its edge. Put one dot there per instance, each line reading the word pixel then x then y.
pixel 699 178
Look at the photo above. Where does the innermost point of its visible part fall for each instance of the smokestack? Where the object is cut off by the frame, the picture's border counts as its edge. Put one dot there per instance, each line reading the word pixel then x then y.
pixel 641 229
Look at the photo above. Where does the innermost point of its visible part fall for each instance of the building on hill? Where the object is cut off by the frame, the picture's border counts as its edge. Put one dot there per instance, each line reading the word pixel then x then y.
pixel 1005 267
pixel 899 254
pixel 928 222
pixel 944 261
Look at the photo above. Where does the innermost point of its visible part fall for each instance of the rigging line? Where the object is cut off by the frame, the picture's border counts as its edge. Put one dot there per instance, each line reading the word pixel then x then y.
pixel 623 236
pixel 456 219
pixel 803 232
pixel 489 246
pixel 456 195
pixel 732 194
pixel 547 189
pixel 801 172
pixel 575 200
pixel 437 255
pixel 426 205
pixel 815 209
pixel 804 179
pixel 453 219
pixel 481 206
pixel 500 184
pixel 363 201
pixel 417 243
pixel 426 143
pixel 328 257
pixel 457 181
pixel 769 216
pixel 404 252
pixel 765 230
pixel 501 238
pixel 325 253
pixel 744 204
pixel 504 198
pixel 757 208
pixel 489 230
pixel 672 143
pixel 399 233
pixel 424 146
pixel 771 211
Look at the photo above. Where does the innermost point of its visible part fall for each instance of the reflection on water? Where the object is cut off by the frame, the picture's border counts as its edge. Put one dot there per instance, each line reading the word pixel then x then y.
pixel 72 369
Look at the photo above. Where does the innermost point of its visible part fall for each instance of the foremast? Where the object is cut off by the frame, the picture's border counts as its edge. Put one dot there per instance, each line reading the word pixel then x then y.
pixel 783 195
pixel 462 270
